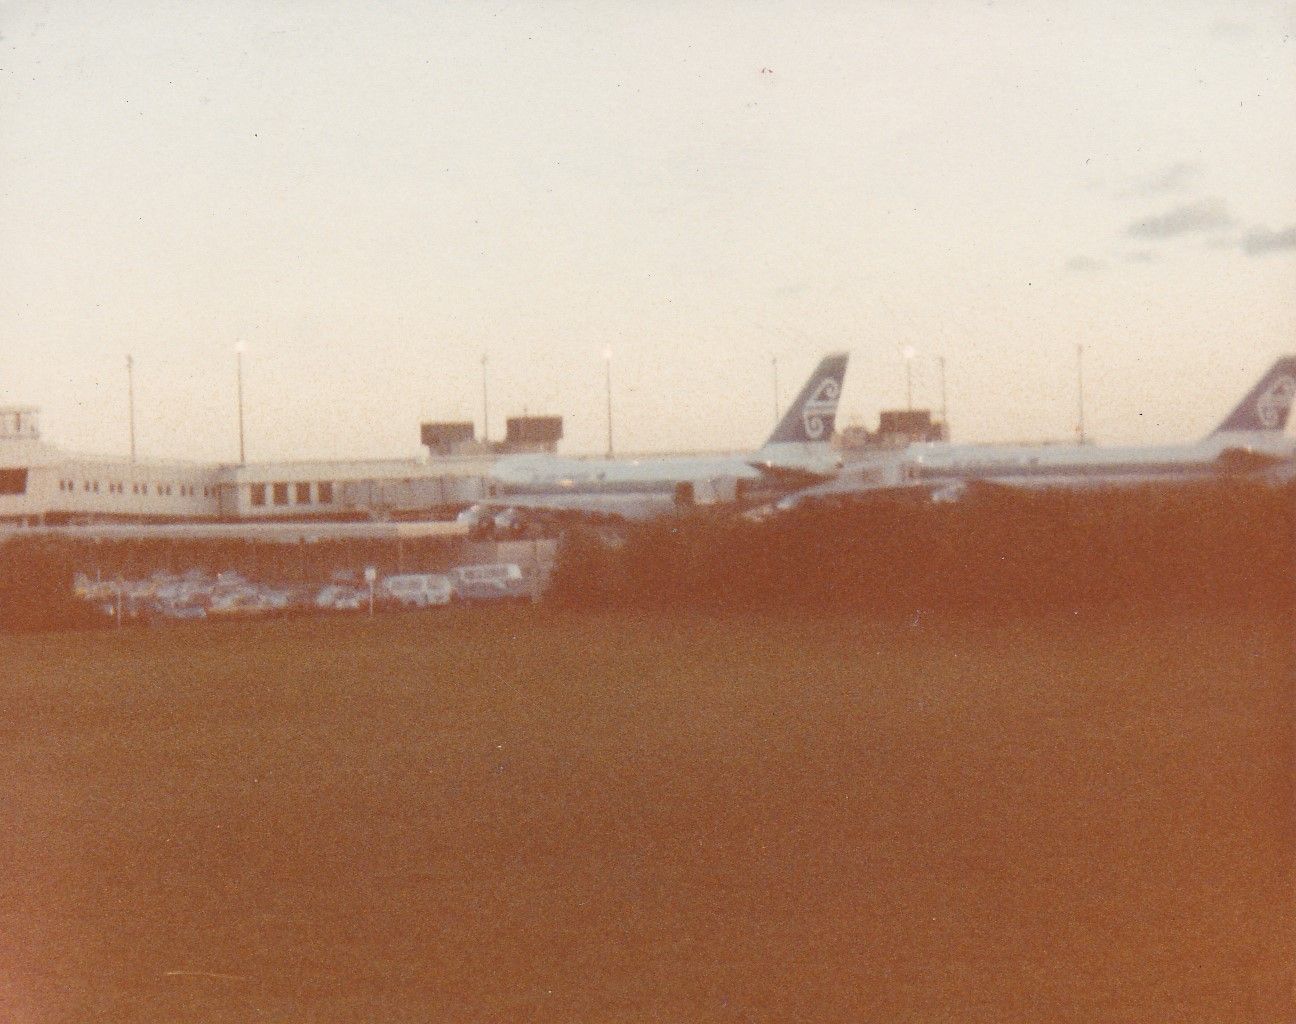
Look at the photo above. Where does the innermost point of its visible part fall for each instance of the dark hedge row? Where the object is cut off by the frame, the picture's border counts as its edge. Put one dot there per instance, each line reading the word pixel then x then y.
pixel 36 587
pixel 996 551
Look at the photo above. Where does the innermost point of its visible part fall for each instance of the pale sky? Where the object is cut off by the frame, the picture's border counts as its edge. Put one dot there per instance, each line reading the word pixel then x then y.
pixel 371 195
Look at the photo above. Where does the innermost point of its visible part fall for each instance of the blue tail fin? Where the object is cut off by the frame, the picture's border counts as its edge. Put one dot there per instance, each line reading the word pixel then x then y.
pixel 1266 407
pixel 812 415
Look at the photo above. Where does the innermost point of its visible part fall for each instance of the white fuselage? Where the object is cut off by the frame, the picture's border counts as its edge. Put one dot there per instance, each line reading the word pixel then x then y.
pixel 544 474
pixel 1072 464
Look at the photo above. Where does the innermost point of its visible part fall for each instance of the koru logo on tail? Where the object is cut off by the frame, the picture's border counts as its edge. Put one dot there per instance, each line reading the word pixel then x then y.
pixel 1273 404
pixel 820 407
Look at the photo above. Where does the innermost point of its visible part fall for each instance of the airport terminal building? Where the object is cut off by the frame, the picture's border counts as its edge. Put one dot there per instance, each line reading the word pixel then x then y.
pixel 42 485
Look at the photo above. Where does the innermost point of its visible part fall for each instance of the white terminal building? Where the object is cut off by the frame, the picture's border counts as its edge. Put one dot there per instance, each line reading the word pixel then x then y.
pixel 41 484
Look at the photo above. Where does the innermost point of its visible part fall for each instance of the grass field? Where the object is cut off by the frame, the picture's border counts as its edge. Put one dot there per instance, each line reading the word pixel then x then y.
pixel 531 816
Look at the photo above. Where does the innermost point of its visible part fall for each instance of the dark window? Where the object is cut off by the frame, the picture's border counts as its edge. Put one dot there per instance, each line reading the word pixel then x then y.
pixel 303 494
pixel 258 494
pixel 324 492
pixel 13 481
pixel 281 494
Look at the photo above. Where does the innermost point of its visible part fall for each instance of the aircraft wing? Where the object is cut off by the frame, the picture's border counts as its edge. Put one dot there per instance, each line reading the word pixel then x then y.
pixel 792 477
pixel 625 506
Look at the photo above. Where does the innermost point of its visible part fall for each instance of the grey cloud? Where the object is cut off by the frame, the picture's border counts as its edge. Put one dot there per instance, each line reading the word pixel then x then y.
pixel 1262 240
pixel 1083 263
pixel 1207 215
pixel 1174 177
pixel 1141 256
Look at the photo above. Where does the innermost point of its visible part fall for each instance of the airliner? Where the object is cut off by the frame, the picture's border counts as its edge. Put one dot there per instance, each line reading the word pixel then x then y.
pixel 797 453
pixel 1250 440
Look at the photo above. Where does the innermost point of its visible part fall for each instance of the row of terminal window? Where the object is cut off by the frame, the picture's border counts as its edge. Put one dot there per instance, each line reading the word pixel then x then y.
pixel 300 493
pixel 117 487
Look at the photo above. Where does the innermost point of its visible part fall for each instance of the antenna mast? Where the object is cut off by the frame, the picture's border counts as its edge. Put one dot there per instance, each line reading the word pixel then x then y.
pixel 1080 423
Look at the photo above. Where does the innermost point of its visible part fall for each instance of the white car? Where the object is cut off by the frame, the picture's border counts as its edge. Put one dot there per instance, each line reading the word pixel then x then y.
pixel 490 582
pixel 341 598
pixel 418 589
pixel 237 602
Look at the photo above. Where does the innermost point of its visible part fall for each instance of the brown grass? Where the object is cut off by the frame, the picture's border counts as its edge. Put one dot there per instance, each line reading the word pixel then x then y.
pixel 532 816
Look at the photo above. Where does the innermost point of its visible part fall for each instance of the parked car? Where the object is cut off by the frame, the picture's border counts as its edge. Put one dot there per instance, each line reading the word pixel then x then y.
pixel 339 598
pixel 239 602
pixel 496 581
pixel 180 610
pixel 418 589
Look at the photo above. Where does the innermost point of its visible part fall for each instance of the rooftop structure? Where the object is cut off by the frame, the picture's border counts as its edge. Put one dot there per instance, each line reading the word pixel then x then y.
pixel 19 423
pixel 897 428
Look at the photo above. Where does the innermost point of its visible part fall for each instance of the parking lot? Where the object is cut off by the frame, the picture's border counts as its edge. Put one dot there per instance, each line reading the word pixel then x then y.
pixel 199 594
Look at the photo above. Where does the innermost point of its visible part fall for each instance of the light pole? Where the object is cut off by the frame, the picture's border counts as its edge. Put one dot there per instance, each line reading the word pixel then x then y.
pixel 485 405
pixel 607 369
pixel 130 398
pixel 909 352
pixel 238 357
pixel 944 408
pixel 1080 424
pixel 774 363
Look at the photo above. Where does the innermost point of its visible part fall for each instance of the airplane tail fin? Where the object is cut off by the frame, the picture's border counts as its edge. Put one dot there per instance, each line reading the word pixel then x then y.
pixel 801 439
pixel 811 416
pixel 1265 408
